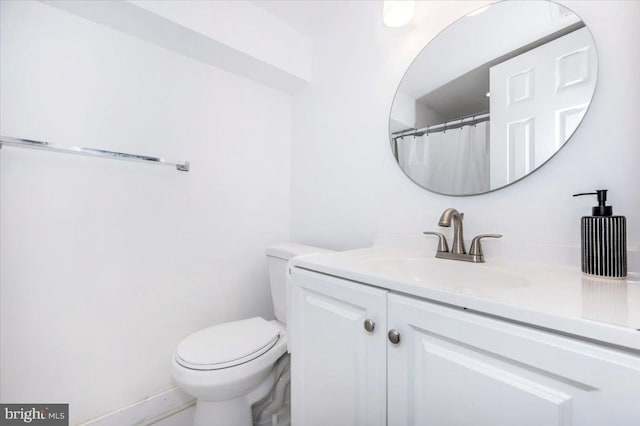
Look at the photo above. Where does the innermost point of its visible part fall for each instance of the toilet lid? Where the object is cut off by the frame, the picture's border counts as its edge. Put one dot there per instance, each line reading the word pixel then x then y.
pixel 226 345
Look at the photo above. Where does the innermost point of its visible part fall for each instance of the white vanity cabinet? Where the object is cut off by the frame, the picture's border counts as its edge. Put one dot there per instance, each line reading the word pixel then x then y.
pixel 454 367
pixel 338 369
pixel 450 366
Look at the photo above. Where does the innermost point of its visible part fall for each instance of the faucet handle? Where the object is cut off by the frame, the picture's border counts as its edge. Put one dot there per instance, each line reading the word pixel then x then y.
pixel 443 247
pixel 476 247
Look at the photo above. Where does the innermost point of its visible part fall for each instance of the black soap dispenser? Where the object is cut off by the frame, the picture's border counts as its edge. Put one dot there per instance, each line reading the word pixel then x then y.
pixel 604 240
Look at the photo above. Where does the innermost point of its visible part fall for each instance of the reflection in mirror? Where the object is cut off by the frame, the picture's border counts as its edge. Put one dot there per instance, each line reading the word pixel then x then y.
pixel 493 97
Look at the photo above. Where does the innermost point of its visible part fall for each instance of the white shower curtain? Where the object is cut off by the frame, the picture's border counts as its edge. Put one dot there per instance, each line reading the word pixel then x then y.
pixel 451 162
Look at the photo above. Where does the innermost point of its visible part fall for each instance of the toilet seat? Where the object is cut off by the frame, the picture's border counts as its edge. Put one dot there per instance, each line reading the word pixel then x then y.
pixel 227 345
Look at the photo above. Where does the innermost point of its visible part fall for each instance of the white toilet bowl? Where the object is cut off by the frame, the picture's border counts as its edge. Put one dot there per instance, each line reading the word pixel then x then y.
pixel 231 366
pixel 227 390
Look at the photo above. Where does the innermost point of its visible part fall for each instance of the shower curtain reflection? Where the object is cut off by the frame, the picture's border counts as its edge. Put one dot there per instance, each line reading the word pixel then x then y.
pixel 450 162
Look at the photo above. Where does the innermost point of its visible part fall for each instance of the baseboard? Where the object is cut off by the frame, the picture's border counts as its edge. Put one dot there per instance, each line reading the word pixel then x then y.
pixel 148 411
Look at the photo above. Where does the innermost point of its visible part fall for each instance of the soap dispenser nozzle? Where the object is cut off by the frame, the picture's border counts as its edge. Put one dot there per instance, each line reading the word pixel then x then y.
pixel 601 209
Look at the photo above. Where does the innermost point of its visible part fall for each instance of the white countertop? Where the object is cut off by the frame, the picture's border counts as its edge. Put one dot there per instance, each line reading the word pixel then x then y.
pixel 554 297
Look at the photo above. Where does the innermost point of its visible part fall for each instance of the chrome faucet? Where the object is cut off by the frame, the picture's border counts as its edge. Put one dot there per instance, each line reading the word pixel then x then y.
pixel 458 251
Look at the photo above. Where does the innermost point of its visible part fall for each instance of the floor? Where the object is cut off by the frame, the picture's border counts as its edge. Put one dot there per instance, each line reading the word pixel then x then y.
pixel 182 418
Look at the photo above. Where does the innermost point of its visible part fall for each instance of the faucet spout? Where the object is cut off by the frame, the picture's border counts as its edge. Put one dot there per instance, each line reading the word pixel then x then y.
pixel 449 216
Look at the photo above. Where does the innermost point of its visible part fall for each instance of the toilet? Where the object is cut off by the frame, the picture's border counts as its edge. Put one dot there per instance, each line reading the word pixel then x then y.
pixel 232 366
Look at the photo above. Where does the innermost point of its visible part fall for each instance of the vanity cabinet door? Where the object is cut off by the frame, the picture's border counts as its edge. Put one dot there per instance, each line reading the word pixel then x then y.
pixel 338 369
pixel 454 367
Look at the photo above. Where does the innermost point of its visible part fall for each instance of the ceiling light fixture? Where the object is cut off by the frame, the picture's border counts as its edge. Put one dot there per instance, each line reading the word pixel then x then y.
pixel 397 13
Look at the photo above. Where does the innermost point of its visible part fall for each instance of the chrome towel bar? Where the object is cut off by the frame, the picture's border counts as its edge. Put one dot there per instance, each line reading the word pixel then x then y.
pixel 26 143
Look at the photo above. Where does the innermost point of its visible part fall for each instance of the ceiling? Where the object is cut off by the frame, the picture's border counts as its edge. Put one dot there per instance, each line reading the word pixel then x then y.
pixel 306 16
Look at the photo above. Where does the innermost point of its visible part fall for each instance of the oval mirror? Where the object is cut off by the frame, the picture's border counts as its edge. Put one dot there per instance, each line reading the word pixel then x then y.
pixel 493 97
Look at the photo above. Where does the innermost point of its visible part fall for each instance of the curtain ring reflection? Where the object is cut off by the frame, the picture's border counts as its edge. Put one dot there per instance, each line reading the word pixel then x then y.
pixel 474 121
pixel 461 120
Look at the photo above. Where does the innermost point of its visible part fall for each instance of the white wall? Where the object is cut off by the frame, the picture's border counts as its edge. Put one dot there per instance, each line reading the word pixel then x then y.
pixel 346 185
pixel 407 113
pixel 106 265
pixel 236 36
pixel 243 26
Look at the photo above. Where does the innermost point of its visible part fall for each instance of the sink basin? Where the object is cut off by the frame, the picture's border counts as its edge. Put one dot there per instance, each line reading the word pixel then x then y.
pixel 445 274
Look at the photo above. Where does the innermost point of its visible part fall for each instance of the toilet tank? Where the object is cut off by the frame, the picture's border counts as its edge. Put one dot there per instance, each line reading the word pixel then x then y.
pixel 277 257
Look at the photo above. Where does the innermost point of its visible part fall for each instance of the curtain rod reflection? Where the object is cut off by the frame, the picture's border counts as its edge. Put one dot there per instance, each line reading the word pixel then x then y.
pixel 453 124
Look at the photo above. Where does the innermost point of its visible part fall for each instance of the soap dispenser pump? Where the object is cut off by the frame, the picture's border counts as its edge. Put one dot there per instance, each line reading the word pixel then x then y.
pixel 604 240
